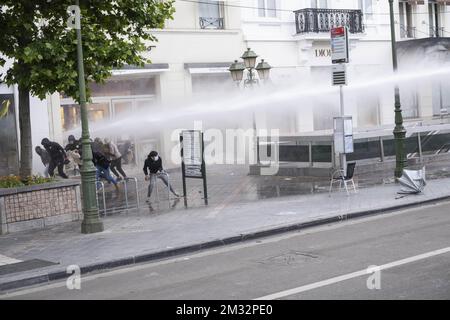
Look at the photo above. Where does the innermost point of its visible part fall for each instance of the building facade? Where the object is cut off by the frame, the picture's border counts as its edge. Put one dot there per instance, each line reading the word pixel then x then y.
pixel 190 62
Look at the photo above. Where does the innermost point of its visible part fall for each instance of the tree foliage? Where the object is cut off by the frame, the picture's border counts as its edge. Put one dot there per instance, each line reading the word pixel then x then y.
pixel 36 38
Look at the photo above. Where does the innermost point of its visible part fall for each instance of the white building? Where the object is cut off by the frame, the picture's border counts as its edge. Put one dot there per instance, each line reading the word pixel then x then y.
pixel 294 37
pixel 195 49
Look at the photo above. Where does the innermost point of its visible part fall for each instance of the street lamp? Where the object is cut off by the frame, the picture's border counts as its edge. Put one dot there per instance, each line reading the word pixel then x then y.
pixel 399 130
pixel 91 221
pixel 237 71
pixel 249 58
pixel 263 69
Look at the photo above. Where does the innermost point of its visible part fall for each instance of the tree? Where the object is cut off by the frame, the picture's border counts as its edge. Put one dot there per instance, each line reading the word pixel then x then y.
pixel 35 36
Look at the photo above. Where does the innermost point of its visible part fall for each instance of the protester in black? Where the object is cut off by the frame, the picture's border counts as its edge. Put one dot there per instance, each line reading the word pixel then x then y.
pixel 73 145
pixel 102 165
pixel 45 158
pixel 153 169
pixel 57 157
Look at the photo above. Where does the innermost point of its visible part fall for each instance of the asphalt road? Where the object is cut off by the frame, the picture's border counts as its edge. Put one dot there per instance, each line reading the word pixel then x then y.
pixel 328 262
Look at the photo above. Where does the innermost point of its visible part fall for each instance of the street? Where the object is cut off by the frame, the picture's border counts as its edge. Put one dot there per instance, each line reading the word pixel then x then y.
pixel 327 262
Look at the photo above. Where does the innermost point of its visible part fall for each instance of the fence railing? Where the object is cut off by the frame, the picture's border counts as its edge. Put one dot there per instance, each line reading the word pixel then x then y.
pixel 319 150
pixel 436 32
pixel 322 20
pixel 211 23
pixel 101 196
pixel 407 32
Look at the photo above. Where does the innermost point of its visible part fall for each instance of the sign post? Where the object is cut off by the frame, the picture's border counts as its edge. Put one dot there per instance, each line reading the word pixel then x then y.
pixel 193 160
pixel 343 135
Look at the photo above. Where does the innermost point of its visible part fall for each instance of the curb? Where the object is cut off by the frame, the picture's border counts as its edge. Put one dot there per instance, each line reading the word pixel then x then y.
pixel 127 261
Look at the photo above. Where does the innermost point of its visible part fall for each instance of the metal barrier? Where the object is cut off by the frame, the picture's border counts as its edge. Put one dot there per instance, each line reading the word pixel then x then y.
pixel 101 190
pixel 155 176
pixel 136 189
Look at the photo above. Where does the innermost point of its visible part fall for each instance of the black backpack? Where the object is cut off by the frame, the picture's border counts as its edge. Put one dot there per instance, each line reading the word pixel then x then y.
pixel 100 160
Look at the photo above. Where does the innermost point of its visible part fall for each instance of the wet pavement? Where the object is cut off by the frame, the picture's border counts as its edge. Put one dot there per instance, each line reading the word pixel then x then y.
pixel 239 206
pixel 229 184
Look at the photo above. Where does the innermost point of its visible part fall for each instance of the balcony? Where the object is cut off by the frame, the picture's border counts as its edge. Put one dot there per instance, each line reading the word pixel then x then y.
pixel 322 20
pixel 211 23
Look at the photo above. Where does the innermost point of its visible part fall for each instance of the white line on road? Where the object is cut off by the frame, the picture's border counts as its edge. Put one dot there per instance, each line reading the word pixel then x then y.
pixel 220 250
pixel 7 260
pixel 348 276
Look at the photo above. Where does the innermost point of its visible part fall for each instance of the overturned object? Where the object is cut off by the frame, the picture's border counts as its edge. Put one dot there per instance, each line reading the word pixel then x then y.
pixel 413 181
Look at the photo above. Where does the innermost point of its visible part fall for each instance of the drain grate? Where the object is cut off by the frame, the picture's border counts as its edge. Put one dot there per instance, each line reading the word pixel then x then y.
pixel 24 266
pixel 290 258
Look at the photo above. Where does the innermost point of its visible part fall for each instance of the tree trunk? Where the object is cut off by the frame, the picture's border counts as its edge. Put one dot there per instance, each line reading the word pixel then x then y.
pixel 26 148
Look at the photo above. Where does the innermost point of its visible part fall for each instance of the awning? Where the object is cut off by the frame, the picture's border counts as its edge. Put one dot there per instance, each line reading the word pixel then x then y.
pixel 202 68
pixel 136 70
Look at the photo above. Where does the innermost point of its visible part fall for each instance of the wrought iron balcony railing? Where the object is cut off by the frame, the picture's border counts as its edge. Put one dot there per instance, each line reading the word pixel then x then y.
pixel 211 23
pixel 322 20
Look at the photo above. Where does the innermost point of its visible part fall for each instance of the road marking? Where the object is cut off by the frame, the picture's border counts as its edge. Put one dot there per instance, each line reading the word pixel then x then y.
pixel 348 276
pixel 219 250
pixel 7 260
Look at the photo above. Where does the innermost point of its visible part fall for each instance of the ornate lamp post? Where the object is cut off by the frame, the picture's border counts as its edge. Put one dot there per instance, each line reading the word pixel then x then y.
pixel 263 69
pixel 237 72
pixel 399 130
pixel 91 221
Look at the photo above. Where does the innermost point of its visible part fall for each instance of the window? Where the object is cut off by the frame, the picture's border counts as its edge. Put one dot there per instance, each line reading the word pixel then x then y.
pixel 211 14
pixel 366 7
pixel 267 8
pixel 322 4
pixel 433 18
pixel 406 28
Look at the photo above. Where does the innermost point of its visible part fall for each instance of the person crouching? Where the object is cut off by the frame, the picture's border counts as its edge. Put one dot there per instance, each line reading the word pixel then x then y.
pixel 153 169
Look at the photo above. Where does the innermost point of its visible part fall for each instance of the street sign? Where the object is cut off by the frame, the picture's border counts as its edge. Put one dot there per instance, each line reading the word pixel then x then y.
pixel 343 134
pixel 192 153
pixel 339 75
pixel 339 45
pixel 192 159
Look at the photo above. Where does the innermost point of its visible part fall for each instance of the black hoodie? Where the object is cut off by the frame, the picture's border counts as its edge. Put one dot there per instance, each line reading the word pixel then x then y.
pixel 152 166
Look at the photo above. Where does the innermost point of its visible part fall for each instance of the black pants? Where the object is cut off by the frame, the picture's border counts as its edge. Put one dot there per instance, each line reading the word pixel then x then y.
pixel 117 164
pixel 56 163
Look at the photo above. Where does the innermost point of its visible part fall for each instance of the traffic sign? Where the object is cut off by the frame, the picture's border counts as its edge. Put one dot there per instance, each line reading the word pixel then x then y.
pixel 339 45
pixel 339 75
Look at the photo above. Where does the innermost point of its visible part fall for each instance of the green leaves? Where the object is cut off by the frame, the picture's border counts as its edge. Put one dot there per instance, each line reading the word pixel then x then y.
pixel 44 54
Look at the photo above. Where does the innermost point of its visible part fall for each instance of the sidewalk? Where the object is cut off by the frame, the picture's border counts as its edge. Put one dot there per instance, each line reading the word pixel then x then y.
pixel 145 235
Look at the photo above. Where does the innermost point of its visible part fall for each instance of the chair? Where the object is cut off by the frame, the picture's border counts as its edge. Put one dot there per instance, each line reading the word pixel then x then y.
pixel 339 176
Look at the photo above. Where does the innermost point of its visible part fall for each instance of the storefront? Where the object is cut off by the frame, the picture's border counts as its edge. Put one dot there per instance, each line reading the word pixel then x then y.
pixel 128 92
